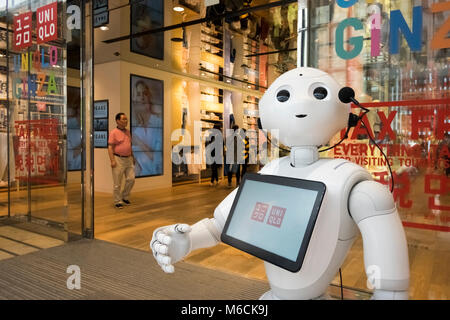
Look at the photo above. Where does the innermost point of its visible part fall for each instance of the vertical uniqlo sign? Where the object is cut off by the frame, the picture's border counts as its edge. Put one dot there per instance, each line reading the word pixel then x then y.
pixel 259 213
pixel 46 23
pixel 22 31
pixel 276 216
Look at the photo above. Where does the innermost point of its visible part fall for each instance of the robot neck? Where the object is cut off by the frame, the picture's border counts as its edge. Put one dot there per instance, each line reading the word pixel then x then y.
pixel 304 156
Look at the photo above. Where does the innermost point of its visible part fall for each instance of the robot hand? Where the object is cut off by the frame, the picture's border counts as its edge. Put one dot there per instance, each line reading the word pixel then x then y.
pixel 170 244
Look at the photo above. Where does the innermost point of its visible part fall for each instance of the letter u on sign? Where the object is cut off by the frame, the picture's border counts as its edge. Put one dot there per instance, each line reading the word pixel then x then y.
pixel 47 23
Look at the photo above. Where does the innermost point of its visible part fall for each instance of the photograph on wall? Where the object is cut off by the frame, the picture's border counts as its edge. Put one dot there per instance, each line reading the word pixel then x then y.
pixel 100 139
pixel 146 108
pixel 147 15
pixel 73 129
pixel 101 109
pixel 101 125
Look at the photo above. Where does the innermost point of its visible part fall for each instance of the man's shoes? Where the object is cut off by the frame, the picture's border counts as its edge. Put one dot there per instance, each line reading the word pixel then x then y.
pixel 127 202
pixel 118 206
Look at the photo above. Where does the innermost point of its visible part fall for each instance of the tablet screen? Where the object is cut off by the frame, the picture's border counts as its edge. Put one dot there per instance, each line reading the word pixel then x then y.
pixel 272 217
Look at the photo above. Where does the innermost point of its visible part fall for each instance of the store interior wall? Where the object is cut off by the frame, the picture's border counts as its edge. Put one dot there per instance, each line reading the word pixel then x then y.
pixel 182 86
pixel 108 87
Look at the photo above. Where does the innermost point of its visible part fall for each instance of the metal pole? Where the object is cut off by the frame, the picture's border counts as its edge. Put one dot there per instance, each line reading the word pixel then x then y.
pixel 87 97
pixel 91 121
pixel 302 34
pixel 8 112
pixel 27 164
pixel 83 111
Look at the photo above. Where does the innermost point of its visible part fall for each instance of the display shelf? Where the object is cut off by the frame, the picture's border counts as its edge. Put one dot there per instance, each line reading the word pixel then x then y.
pixel 216 46
pixel 250 113
pixel 210 94
pixel 213 121
pixel 211 52
pixel 218 36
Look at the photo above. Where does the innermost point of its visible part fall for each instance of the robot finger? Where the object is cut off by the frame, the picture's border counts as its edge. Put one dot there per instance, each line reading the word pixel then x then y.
pixel 161 248
pixel 168 268
pixel 158 233
pixel 163 238
pixel 182 228
pixel 163 260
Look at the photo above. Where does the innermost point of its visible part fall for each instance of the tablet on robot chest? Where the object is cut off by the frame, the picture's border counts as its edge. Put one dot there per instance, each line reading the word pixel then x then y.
pixel 273 217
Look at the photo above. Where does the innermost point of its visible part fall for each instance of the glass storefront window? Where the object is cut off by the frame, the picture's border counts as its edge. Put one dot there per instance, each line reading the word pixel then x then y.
pixel 393 54
pixel 37 110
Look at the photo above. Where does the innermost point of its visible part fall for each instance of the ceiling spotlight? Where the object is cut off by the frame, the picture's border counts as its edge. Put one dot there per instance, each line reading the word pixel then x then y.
pixel 104 28
pixel 177 7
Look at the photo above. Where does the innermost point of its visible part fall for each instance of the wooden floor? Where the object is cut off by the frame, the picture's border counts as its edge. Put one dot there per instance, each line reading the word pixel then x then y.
pixel 429 251
pixel 16 242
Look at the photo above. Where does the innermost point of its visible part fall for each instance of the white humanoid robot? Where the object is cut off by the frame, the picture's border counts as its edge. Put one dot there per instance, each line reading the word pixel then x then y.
pixel 303 105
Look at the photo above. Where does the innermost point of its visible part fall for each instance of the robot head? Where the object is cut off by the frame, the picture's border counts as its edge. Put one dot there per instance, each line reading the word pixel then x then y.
pixel 303 104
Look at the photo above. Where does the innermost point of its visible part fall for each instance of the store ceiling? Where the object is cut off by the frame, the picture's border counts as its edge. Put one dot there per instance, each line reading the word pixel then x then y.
pixel 264 12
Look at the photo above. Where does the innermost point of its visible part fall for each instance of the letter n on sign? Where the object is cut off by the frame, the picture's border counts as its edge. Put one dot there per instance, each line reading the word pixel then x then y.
pixel 47 22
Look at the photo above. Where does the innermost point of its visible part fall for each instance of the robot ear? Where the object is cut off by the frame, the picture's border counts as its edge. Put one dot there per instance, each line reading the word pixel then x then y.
pixel 352 120
pixel 259 124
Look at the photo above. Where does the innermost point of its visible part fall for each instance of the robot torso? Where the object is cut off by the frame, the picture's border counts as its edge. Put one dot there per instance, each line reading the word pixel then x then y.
pixel 334 231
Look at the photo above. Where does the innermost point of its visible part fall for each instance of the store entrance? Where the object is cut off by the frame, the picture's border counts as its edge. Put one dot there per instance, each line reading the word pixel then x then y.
pixel 37 192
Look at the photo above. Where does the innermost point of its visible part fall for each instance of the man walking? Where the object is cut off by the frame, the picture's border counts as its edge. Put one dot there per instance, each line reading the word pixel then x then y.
pixel 122 161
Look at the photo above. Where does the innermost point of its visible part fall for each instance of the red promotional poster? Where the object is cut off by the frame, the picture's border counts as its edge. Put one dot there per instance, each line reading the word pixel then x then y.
pixel 37 152
pixel 22 31
pixel 46 24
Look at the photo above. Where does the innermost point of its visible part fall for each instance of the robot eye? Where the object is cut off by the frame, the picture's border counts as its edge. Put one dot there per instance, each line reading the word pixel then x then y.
pixel 320 93
pixel 283 96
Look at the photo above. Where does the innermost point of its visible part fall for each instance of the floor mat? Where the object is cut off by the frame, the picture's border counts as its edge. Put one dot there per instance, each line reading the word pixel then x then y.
pixel 109 271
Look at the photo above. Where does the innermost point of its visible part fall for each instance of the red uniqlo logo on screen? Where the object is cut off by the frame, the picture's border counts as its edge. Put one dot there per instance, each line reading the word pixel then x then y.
pixel 276 216
pixel 47 20
pixel 22 31
pixel 259 213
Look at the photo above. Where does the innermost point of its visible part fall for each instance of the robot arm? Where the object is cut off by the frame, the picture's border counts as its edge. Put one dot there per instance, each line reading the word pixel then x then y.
pixel 385 249
pixel 172 243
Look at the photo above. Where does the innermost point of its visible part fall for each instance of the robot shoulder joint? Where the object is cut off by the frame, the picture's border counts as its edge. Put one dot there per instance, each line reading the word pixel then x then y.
pixel 370 198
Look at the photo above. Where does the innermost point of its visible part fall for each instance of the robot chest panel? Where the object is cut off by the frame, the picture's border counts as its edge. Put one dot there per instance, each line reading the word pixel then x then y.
pixel 332 215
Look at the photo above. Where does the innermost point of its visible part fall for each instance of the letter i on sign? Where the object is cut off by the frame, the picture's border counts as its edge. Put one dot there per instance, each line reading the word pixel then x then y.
pixel 375 29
